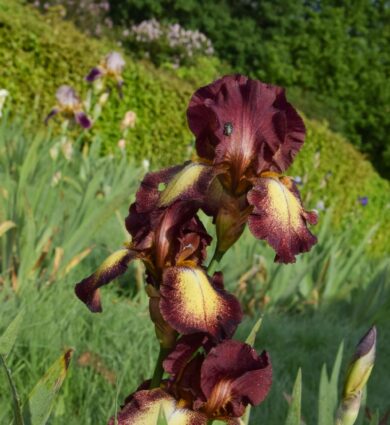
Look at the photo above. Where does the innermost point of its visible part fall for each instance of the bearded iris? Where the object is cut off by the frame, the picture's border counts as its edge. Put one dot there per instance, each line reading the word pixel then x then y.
pixel 69 106
pixel 206 382
pixel 110 68
pixel 171 242
pixel 247 135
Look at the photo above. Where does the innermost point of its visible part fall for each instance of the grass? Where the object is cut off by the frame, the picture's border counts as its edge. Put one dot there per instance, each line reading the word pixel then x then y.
pixel 122 349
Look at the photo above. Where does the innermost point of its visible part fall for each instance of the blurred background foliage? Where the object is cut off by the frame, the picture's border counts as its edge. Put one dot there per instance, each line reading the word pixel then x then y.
pixel 61 210
pixel 332 172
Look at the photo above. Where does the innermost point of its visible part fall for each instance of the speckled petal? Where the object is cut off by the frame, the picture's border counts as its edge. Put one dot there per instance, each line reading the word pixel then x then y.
pixel 279 217
pixel 115 265
pixel 144 409
pixel 246 124
pixel 191 303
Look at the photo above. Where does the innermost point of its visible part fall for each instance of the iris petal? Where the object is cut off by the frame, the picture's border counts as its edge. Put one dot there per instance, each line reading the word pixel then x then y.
pixel 232 376
pixel 191 303
pixel 115 265
pixel 279 218
pixel 144 409
pixel 246 124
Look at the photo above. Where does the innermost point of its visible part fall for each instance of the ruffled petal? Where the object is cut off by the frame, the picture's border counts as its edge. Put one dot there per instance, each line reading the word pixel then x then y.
pixel 187 182
pixel 144 409
pixel 246 124
pixel 232 376
pixel 191 303
pixel 279 217
pixel 115 265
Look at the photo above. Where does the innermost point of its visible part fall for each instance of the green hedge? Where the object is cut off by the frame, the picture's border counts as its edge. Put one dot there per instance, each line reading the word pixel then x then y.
pixel 37 54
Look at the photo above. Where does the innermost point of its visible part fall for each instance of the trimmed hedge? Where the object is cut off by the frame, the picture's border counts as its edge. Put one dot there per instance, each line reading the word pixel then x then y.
pixel 39 53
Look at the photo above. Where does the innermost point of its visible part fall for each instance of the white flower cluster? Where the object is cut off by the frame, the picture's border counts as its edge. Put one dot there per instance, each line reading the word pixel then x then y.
pixel 146 31
pixel 177 38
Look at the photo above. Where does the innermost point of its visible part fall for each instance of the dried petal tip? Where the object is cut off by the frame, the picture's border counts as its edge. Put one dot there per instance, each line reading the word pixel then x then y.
pixel 362 363
pixel 357 377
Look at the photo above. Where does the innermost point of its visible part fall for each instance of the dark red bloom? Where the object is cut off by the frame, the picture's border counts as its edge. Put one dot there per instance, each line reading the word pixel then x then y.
pixel 206 382
pixel 250 133
pixel 171 241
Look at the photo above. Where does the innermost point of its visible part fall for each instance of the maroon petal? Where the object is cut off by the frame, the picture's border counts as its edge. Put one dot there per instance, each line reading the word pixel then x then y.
pixel 232 376
pixel 144 409
pixel 246 124
pixel 185 347
pixel 51 114
pixel 279 217
pixel 93 75
pixel 115 265
pixel 192 303
pixel 83 120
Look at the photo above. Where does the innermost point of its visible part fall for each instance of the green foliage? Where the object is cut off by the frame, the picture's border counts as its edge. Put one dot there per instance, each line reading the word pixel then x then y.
pixel 40 403
pixel 54 204
pixel 294 412
pixel 8 338
pixel 334 52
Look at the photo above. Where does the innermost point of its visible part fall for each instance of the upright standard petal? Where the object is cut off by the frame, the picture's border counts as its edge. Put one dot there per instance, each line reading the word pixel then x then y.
pixel 192 303
pixel 245 124
pixel 232 376
pixel 279 217
pixel 115 265
pixel 144 408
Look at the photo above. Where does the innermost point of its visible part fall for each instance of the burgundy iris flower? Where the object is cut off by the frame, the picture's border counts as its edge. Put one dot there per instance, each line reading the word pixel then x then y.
pixel 206 382
pixel 171 242
pixel 247 135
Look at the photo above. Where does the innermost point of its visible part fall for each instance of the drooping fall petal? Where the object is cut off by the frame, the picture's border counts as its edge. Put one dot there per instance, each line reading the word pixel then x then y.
pixel 279 217
pixel 82 119
pixel 93 74
pixel 184 182
pixel 246 124
pixel 191 303
pixel 232 376
pixel 144 409
pixel 115 265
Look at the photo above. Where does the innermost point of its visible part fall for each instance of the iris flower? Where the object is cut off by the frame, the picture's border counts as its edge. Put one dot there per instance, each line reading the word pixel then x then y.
pixel 206 382
pixel 70 106
pixel 110 68
pixel 171 242
pixel 247 135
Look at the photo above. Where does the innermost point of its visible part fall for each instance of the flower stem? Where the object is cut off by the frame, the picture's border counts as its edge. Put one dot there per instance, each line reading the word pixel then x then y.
pixel 158 369
pixel 217 257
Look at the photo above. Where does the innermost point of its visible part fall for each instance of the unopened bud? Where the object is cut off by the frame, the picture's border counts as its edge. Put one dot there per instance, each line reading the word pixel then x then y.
pixel 128 120
pixel 358 373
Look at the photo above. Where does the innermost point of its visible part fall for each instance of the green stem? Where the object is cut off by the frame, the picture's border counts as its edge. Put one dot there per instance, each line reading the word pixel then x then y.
pixel 217 257
pixel 158 369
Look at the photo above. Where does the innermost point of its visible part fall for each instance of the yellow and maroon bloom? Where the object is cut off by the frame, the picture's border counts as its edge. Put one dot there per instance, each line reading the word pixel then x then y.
pixel 206 382
pixel 172 242
pixel 70 106
pixel 249 134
